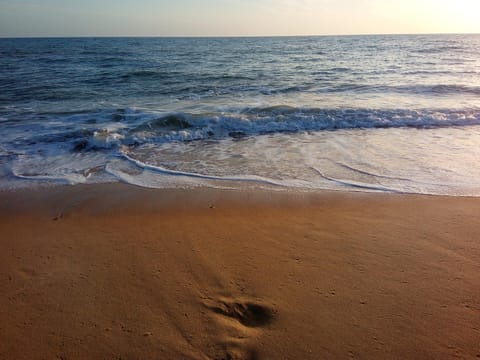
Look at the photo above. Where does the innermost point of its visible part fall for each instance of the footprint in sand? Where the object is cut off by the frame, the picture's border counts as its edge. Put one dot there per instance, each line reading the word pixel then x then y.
pixel 244 318
pixel 249 314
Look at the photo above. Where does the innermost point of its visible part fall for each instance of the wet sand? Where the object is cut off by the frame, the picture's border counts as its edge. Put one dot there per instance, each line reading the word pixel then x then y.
pixel 118 272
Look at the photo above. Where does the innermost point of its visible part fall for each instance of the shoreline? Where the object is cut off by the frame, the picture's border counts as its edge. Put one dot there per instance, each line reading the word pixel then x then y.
pixel 117 271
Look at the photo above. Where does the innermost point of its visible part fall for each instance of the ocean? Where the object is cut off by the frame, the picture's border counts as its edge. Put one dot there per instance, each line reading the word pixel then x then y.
pixel 396 113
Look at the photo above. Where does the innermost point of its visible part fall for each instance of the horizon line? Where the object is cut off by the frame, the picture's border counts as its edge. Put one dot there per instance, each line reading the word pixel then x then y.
pixel 226 36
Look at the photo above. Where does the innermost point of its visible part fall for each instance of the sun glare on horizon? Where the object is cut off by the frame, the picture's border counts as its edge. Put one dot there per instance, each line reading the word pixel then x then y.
pixel 453 15
pixel 467 12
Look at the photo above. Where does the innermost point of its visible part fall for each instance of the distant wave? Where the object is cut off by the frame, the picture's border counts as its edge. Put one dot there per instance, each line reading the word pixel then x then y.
pixel 440 49
pixel 147 74
pixel 440 89
pixel 435 89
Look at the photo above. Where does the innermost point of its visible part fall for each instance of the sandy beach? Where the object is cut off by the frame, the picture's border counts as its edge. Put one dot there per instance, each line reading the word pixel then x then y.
pixel 114 271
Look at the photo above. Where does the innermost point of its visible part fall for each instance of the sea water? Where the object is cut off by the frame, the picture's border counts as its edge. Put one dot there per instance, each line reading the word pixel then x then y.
pixel 372 113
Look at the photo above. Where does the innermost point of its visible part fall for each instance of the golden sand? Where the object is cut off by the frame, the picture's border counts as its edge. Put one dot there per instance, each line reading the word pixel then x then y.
pixel 118 272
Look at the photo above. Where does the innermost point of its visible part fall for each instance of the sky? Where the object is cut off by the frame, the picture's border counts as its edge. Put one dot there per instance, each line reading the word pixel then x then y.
pixel 235 17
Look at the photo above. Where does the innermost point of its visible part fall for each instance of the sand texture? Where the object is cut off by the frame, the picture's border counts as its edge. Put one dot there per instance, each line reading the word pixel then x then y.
pixel 117 272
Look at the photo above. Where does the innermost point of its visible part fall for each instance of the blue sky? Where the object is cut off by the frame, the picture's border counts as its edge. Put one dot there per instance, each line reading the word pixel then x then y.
pixel 234 17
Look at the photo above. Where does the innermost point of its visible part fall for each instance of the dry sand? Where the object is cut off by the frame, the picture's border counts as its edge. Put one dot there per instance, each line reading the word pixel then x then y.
pixel 117 272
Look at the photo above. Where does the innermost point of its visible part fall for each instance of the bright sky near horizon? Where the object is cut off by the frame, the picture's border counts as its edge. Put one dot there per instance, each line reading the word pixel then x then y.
pixel 235 17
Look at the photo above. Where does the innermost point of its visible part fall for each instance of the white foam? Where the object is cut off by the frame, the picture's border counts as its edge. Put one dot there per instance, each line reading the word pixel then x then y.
pixel 163 171
pixel 441 160
pixel 106 138
pixel 67 168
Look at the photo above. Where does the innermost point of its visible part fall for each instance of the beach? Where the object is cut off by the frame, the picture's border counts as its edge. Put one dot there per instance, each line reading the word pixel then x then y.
pixel 113 271
pixel 251 197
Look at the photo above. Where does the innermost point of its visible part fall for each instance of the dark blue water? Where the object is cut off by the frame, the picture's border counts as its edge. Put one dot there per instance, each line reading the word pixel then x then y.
pixel 389 113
